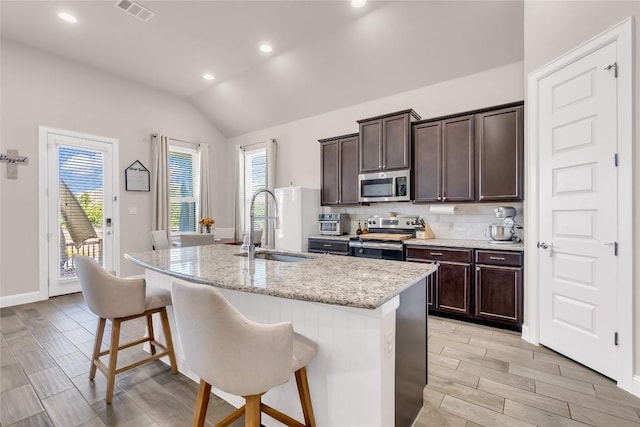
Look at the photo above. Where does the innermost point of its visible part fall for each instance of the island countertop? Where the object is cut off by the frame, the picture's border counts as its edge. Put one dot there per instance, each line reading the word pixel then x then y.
pixel 328 279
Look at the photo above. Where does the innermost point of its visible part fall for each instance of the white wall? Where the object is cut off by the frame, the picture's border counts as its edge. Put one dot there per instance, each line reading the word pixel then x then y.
pixel 40 89
pixel 552 28
pixel 298 148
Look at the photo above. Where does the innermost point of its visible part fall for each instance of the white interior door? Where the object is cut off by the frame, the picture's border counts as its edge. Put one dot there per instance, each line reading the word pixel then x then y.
pixel 80 207
pixel 577 210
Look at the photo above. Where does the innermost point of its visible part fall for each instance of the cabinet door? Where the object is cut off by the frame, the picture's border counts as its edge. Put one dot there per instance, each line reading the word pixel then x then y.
pixel 454 288
pixel 499 293
pixel 431 286
pixel 427 166
pixel 458 159
pixel 370 147
pixel 349 193
pixel 395 142
pixel 329 193
pixel 499 150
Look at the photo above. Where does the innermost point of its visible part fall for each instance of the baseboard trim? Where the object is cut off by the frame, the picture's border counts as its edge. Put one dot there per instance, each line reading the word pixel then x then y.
pixel 635 385
pixel 11 300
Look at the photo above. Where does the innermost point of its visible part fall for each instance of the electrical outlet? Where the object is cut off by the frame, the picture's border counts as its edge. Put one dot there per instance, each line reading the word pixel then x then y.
pixel 389 339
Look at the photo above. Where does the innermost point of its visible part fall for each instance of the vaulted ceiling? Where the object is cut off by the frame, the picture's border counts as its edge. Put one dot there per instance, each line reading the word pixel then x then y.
pixel 327 55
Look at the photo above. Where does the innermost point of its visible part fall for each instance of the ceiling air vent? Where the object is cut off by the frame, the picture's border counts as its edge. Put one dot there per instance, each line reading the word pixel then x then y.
pixel 135 9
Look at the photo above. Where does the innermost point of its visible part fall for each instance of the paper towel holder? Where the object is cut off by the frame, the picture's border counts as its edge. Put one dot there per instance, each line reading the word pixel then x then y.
pixel 444 209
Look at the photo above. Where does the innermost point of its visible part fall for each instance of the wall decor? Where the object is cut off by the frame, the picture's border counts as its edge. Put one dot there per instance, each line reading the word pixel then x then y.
pixel 13 160
pixel 137 177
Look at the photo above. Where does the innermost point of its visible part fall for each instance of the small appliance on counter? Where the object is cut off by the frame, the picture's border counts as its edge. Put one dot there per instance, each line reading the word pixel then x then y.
pixel 504 233
pixel 333 224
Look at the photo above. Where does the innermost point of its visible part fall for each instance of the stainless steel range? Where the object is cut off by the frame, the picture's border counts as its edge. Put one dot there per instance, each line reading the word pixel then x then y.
pixel 385 237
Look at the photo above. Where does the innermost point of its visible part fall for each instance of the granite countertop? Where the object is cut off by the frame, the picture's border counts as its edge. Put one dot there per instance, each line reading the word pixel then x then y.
pixel 460 243
pixel 329 279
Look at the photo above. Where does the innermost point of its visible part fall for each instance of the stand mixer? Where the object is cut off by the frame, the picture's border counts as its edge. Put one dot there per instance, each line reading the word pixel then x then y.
pixel 505 232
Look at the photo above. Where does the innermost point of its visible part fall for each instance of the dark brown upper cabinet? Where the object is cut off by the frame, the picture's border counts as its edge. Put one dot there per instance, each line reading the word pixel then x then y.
pixel 443 160
pixel 385 141
pixel 499 154
pixel 339 169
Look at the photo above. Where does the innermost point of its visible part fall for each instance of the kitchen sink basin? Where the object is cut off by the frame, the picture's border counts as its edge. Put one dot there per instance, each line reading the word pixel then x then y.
pixel 282 257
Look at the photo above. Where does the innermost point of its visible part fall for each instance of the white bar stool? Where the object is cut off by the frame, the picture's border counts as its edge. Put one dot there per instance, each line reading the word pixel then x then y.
pixel 239 356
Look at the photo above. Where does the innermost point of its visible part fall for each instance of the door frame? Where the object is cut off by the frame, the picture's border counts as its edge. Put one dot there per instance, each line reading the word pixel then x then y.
pixel 622 33
pixel 43 206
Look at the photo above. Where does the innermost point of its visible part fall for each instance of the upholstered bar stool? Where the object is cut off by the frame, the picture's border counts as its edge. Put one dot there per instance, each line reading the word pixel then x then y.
pixel 239 356
pixel 119 300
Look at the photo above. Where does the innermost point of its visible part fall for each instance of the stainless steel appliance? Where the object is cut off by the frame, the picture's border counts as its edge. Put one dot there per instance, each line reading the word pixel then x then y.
pixel 333 224
pixel 505 232
pixel 391 186
pixel 385 237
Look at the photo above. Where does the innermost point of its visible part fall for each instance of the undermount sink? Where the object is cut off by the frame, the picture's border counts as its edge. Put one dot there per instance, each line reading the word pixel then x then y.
pixel 283 257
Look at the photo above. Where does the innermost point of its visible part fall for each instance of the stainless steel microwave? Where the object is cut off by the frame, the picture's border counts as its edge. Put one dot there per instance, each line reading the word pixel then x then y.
pixel 393 186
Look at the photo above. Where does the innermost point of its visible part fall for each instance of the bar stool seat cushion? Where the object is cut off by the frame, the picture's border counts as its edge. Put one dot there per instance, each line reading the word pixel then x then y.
pixel 304 350
pixel 156 298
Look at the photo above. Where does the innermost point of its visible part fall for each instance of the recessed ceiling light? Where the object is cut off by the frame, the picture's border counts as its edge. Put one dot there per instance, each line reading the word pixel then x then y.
pixel 358 3
pixel 67 17
pixel 266 48
pixel 208 76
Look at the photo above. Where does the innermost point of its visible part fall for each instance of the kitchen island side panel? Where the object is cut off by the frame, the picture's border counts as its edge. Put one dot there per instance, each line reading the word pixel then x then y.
pixel 411 353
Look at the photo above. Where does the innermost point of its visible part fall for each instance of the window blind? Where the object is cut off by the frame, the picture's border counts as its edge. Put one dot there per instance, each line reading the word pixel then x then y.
pixel 183 189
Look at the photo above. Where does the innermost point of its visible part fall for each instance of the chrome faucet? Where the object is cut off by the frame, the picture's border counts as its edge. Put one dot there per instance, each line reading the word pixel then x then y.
pixel 252 248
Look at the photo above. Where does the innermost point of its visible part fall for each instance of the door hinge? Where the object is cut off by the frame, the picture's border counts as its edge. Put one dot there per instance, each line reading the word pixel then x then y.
pixel 615 69
pixel 615 159
pixel 615 248
pixel 615 338
pixel 115 198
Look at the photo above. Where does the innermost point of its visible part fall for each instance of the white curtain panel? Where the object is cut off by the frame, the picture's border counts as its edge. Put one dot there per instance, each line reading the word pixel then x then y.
pixel 206 205
pixel 160 183
pixel 270 231
pixel 239 192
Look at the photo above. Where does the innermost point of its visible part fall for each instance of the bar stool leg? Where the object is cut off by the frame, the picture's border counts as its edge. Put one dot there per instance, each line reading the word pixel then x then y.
pixel 202 403
pixel 168 340
pixel 151 337
pixel 305 397
pixel 96 347
pixel 252 413
pixel 113 358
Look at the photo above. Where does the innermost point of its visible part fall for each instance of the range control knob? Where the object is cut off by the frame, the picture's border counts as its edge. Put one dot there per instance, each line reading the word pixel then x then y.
pixel 408 222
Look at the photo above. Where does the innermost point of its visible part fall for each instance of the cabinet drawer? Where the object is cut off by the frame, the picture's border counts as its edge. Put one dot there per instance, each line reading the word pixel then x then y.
pixel 513 259
pixel 418 253
pixel 339 247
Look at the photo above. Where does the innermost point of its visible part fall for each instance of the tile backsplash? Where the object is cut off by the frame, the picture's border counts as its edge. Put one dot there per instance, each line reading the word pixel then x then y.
pixel 470 220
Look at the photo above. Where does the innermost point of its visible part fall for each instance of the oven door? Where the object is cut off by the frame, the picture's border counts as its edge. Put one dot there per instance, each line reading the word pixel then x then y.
pixel 377 250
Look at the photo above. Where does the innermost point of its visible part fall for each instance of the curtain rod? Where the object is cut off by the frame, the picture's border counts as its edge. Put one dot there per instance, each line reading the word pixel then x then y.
pixel 178 140
pixel 255 143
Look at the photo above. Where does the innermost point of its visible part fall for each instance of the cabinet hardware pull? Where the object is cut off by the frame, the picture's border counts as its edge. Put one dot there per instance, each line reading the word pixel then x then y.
pixel 477 268
pixel 444 198
pixel 497 258
pixel 436 253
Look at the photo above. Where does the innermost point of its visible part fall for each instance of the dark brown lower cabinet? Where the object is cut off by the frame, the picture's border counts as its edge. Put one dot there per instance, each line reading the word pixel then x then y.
pixel 493 294
pixel 454 288
pixel 329 246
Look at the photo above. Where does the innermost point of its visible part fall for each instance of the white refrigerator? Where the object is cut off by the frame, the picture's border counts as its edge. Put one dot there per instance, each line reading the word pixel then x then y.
pixel 298 210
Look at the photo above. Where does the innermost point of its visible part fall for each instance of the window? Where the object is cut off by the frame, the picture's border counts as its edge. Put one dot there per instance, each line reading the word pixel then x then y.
pixel 184 188
pixel 255 178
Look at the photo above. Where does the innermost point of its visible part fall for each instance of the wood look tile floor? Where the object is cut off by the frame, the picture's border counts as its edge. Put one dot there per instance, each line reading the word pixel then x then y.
pixel 478 376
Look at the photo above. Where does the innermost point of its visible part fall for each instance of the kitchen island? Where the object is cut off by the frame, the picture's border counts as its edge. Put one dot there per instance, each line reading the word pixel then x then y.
pixel 367 316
